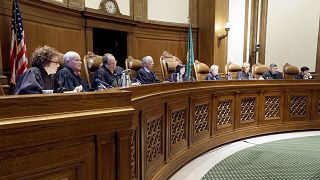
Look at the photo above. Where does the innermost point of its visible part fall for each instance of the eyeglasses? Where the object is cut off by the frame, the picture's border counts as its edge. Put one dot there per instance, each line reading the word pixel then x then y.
pixel 55 62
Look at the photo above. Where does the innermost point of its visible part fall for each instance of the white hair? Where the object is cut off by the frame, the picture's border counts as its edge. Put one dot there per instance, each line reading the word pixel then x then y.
pixel 245 65
pixel 69 56
pixel 146 59
pixel 213 67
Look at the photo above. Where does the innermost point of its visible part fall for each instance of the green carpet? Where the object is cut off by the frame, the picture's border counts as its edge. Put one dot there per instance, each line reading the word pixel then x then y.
pixel 290 159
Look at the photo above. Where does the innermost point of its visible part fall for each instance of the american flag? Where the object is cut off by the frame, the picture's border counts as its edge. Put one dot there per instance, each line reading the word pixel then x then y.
pixel 19 62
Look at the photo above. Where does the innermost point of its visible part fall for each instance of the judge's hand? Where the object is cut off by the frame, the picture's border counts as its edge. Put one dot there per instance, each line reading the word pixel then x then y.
pixel 78 88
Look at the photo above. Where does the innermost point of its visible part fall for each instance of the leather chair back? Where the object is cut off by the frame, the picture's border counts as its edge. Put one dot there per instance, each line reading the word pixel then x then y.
pixel 258 70
pixel 232 69
pixel 134 65
pixel 91 63
pixel 201 70
pixel 60 60
pixel 168 64
pixel 290 71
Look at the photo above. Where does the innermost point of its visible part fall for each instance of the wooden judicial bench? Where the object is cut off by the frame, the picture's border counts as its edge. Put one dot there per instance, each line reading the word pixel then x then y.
pixel 144 132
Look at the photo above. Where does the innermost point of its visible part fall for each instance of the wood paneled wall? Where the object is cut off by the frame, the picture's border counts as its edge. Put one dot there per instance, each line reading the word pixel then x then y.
pixel 71 29
pixel 213 14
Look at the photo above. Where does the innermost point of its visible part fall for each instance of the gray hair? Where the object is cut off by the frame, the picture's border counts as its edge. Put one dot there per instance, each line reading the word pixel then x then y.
pixel 146 59
pixel 106 57
pixel 69 56
pixel 273 65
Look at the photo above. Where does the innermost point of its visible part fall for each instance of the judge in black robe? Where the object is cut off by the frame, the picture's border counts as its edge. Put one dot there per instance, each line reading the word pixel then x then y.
pixel 273 73
pixel 213 73
pixel 41 76
pixel 179 75
pixel 69 77
pixel 245 74
pixel 145 75
pixel 109 74
pixel 304 74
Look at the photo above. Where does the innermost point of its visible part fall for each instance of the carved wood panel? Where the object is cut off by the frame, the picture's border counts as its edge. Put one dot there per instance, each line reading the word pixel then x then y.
pixel 200 118
pixel 224 113
pixel 154 141
pixel 153 138
pixel 298 106
pixel 133 155
pixel 272 107
pixel 318 105
pixel 178 121
pixel 247 110
pixel 178 125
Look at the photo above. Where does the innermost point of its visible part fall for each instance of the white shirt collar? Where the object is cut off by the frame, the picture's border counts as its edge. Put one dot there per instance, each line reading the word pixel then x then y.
pixel 148 71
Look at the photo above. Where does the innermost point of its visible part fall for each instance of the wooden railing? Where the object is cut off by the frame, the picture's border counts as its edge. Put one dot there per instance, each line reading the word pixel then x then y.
pixel 180 121
pixel 144 132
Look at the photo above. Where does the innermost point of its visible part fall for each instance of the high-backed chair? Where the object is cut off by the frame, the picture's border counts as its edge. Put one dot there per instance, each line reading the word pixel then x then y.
pixel 232 69
pixel 60 60
pixel 91 63
pixel 1 90
pixel 258 70
pixel 201 70
pixel 134 65
pixel 168 64
pixel 290 71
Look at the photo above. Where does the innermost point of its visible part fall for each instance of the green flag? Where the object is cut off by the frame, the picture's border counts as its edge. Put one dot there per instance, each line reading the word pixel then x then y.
pixel 190 54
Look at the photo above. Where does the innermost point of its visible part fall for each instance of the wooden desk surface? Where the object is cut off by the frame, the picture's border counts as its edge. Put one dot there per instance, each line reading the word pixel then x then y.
pixel 144 132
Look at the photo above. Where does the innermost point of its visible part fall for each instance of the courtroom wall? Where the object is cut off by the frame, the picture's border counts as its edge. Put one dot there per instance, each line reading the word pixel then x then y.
pixel 65 28
pixel 167 10
pixel 124 5
pixel 292 32
pixel 236 35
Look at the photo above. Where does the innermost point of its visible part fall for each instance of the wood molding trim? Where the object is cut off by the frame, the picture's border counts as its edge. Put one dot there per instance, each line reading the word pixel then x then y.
pixel 245 39
pixel 140 12
pixel 193 12
pixel 263 30
pixel 318 53
pixel 220 46
pixel 206 24
pixel 253 30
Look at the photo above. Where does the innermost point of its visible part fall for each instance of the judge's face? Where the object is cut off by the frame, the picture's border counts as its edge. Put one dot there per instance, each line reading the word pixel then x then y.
pixel 149 65
pixel 53 66
pixel 246 69
pixel 273 70
pixel 182 70
pixel 112 64
pixel 214 71
pixel 75 64
pixel 306 72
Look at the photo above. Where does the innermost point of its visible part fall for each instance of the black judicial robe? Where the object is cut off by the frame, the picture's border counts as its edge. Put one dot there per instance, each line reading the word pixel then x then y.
pixel 269 75
pixel 69 80
pixel 173 77
pixel 244 76
pixel 34 80
pixel 212 77
pixel 105 75
pixel 147 78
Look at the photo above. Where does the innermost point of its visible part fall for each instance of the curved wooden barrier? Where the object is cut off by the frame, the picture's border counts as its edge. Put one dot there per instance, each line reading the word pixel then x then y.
pixel 144 132
pixel 177 122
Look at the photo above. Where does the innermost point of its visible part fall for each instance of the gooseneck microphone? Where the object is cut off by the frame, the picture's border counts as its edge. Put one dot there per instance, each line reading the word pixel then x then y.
pixel 103 84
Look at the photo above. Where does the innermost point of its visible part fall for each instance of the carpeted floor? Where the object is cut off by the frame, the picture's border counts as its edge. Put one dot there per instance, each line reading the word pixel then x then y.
pixel 290 159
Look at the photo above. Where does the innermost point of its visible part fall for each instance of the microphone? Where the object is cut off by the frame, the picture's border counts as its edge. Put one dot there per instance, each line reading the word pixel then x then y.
pixel 257 49
pixel 127 71
pixel 103 84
